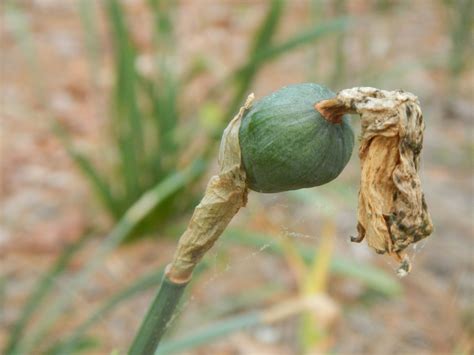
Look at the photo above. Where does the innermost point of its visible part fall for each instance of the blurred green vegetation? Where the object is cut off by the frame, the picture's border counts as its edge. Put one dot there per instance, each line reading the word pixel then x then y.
pixel 153 178
pixel 150 132
pixel 38 316
pixel 145 125
pixel 461 32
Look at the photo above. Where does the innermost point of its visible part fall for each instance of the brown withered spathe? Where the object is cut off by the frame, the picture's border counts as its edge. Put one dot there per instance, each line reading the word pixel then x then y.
pixel 392 209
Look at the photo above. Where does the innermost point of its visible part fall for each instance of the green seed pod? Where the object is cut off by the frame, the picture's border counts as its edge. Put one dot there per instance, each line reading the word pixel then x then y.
pixel 286 144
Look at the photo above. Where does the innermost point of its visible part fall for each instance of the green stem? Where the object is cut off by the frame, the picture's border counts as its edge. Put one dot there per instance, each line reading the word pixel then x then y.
pixel 158 318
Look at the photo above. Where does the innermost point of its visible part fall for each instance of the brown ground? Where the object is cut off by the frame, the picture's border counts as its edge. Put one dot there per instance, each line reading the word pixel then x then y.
pixel 46 203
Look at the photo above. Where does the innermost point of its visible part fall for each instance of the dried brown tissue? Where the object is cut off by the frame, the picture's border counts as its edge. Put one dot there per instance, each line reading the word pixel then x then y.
pixel 392 212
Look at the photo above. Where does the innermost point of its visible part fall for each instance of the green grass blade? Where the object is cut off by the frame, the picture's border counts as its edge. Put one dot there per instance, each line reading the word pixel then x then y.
pixel 210 333
pixel 316 15
pixel 170 104
pixel 135 214
pixel 84 345
pixel 374 278
pixel 461 35
pixel 166 118
pixel 339 67
pixel 43 287
pixel 89 27
pixel 263 38
pixel 3 286
pixel 163 99
pixel 163 21
pixel 164 96
pixel 301 39
pixel 154 167
pixel 98 183
pixel 269 26
pixel 165 88
pixel 127 115
pixel 245 74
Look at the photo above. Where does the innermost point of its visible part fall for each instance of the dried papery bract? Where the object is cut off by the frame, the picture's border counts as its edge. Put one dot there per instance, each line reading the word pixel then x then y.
pixel 392 210
pixel 225 194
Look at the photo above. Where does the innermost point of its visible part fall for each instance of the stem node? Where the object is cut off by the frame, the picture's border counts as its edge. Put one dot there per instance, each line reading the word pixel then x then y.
pixel 332 110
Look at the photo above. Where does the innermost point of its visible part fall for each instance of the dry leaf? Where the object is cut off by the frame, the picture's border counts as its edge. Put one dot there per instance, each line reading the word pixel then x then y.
pixel 392 209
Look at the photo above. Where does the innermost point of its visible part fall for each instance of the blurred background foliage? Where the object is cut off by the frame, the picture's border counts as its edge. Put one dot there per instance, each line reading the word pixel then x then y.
pixel 160 104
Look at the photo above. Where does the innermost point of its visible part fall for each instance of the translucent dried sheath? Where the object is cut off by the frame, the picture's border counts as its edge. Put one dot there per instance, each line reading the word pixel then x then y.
pixel 286 144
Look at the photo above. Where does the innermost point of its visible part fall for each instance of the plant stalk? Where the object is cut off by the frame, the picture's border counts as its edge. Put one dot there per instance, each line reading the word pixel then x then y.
pixel 159 317
pixel 225 194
